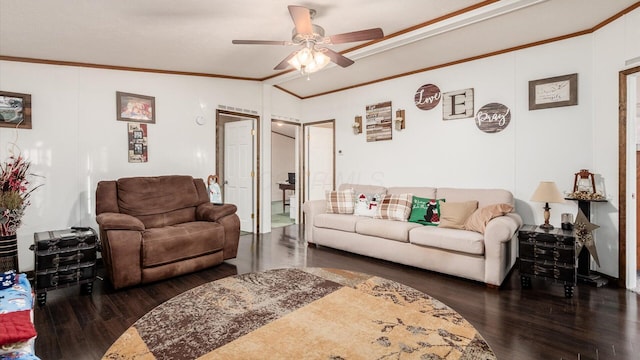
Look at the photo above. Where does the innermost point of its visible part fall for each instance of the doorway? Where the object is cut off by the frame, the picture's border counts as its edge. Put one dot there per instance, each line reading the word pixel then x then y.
pixel 628 99
pixel 319 159
pixel 285 159
pixel 237 165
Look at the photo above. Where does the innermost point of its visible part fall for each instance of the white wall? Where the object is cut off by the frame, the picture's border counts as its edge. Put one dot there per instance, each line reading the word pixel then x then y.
pixel 613 46
pixel 549 144
pixel 76 140
pixel 637 107
pixel 281 106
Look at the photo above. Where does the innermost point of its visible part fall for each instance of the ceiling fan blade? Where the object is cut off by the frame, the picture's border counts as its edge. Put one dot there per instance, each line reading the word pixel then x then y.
pixel 258 42
pixel 285 63
pixel 362 35
pixel 338 58
pixel 301 18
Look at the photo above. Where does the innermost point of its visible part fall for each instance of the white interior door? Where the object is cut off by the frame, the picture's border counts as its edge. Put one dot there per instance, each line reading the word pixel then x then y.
pixel 319 161
pixel 238 170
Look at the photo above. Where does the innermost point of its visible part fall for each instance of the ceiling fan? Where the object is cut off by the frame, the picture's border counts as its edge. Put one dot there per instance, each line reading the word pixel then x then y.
pixel 313 57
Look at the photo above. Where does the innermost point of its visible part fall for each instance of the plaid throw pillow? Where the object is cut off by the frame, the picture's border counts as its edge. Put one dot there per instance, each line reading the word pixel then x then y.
pixel 394 207
pixel 340 202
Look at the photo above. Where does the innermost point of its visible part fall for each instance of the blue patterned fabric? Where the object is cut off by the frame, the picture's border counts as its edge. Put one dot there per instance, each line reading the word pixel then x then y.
pixel 15 298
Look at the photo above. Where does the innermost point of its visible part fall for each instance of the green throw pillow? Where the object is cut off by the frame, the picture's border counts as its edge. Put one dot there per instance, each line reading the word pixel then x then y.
pixel 425 211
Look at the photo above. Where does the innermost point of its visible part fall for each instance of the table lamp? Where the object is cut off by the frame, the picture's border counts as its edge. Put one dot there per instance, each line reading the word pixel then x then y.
pixel 547 192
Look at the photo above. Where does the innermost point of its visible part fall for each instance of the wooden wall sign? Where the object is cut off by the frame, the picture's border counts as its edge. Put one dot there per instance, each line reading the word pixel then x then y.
pixel 493 118
pixel 427 97
pixel 457 104
pixel 138 152
pixel 379 122
pixel 553 92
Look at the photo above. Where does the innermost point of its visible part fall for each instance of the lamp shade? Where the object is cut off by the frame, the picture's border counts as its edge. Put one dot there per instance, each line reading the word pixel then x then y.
pixel 547 192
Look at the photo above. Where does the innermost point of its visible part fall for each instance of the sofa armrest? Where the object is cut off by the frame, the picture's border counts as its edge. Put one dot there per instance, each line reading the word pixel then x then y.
pixel 211 212
pixel 226 216
pixel 500 247
pixel 312 208
pixel 122 253
pixel 118 221
pixel 502 228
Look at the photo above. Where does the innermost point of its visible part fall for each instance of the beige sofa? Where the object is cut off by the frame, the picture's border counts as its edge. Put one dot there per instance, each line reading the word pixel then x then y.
pixel 468 254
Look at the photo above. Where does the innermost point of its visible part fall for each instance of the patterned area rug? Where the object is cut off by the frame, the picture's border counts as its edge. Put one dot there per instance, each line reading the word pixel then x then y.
pixel 307 313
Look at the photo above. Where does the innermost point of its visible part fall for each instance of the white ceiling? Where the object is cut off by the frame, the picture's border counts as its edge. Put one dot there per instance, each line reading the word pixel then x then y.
pixel 194 36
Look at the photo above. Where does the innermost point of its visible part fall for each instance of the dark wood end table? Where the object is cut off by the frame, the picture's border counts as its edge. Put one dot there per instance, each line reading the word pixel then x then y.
pixel 548 254
pixel 284 187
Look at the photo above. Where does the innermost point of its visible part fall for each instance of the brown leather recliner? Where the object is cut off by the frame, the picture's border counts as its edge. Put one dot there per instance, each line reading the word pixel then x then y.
pixel 154 228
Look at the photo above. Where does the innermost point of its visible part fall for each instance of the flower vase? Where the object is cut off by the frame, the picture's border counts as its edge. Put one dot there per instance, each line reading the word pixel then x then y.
pixel 9 252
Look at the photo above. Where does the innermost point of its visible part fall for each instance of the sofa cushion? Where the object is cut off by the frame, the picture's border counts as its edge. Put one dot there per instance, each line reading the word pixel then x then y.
pixel 388 229
pixel 169 218
pixel 425 211
pixel 156 195
pixel 367 204
pixel 179 242
pixel 421 191
pixel 464 241
pixel 454 214
pixel 341 201
pixel 336 221
pixel 484 197
pixel 394 207
pixel 369 189
pixel 479 219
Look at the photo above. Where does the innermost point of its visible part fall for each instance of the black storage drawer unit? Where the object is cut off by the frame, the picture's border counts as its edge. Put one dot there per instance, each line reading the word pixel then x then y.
pixel 551 270
pixel 65 239
pixel 542 251
pixel 69 274
pixel 549 254
pixel 64 258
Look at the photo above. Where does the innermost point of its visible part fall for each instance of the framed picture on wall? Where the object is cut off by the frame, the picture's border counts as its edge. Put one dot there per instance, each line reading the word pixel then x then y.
pixel 138 150
pixel 553 92
pixel 379 121
pixel 15 110
pixel 134 107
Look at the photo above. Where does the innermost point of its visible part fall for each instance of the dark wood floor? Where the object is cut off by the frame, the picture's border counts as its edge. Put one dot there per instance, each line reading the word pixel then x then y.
pixel 539 323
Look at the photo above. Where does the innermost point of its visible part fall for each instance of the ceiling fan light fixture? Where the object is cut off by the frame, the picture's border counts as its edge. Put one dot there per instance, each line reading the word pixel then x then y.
pixel 309 60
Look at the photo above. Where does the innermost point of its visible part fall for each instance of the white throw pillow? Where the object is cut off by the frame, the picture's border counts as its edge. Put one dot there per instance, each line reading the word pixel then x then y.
pixel 366 204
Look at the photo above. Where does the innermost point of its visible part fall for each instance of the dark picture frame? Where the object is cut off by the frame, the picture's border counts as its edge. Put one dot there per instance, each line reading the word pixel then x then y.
pixel 553 92
pixel 15 110
pixel 135 107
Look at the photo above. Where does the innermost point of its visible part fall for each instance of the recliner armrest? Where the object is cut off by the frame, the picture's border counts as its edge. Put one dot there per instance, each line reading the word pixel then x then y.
pixel 117 221
pixel 211 212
